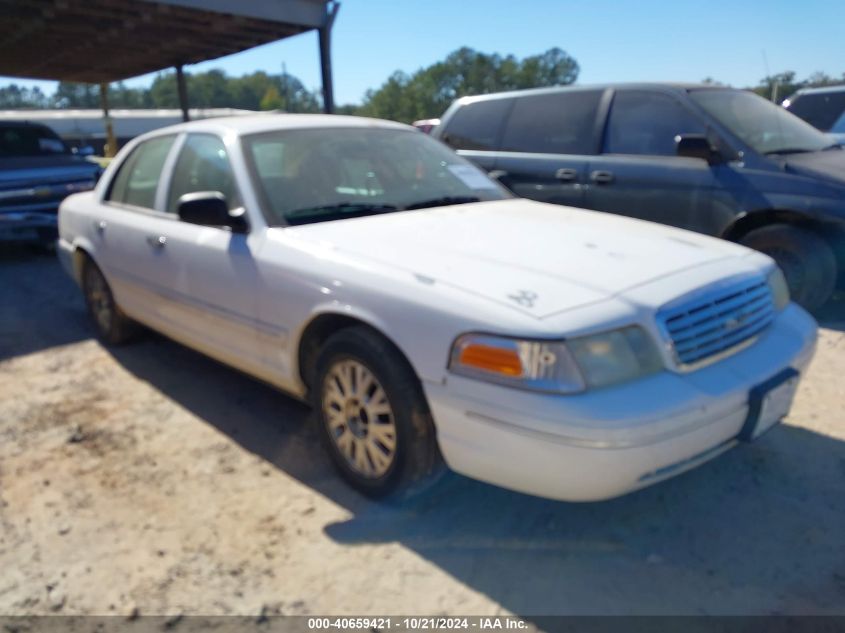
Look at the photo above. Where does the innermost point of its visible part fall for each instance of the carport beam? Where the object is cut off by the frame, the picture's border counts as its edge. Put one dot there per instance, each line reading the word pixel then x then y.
pixel 111 142
pixel 183 92
pixel 325 34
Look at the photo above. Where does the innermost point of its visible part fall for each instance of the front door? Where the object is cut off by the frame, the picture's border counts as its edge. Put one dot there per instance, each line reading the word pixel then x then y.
pixel 220 300
pixel 639 174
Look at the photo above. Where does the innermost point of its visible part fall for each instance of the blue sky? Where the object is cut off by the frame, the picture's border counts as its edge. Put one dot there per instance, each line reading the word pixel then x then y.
pixel 613 40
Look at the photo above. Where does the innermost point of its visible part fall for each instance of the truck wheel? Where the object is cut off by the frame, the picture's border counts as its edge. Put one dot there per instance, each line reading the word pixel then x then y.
pixel 113 326
pixel 806 259
pixel 372 415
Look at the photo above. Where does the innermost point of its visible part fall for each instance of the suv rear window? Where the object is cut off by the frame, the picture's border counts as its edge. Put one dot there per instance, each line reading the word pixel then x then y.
pixel 29 140
pixel 821 110
pixel 477 125
pixel 553 123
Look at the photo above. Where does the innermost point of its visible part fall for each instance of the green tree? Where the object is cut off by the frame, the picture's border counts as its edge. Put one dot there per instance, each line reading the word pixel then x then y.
pixel 271 100
pixel 782 85
pixel 76 95
pixel 429 91
pixel 14 97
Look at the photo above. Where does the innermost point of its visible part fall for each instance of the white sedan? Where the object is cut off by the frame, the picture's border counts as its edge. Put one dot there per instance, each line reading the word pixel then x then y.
pixel 429 316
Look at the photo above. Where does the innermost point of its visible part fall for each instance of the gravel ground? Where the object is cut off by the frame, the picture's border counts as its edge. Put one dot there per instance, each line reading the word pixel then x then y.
pixel 148 479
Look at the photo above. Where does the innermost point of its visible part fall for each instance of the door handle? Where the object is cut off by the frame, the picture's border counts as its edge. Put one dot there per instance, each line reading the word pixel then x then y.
pixel 566 174
pixel 157 241
pixel 100 226
pixel 601 177
pixel 497 174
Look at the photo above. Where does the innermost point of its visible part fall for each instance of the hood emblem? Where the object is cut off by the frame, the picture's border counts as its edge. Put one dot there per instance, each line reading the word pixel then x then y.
pixel 525 298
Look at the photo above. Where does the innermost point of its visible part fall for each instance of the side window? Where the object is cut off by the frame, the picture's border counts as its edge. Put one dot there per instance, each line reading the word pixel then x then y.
pixel 137 181
pixel 821 110
pixel 646 123
pixel 203 165
pixel 554 123
pixel 476 125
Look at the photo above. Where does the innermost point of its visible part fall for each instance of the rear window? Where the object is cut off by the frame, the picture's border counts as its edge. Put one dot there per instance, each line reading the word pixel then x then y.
pixel 556 123
pixel 137 181
pixel 477 125
pixel 821 110
pixel 29 140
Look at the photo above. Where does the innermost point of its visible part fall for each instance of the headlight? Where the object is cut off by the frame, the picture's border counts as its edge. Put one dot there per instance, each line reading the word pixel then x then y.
pixel 593 361
pixel 615 356
pixel 780 289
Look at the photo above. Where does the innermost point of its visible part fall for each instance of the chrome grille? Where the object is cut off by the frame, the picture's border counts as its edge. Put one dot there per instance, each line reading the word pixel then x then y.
pixel 716 321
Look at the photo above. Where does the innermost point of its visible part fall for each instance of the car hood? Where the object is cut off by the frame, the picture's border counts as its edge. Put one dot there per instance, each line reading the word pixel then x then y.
pixel 828 165
pixel 534 257
pixel 28 170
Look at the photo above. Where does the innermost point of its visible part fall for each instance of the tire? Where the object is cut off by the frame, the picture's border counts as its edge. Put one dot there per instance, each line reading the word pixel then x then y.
pixel 113 326
pixel 806 259
pixel 373 417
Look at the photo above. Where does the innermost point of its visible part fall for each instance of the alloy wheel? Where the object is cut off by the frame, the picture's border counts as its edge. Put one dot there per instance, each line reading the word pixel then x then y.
pixel 359 418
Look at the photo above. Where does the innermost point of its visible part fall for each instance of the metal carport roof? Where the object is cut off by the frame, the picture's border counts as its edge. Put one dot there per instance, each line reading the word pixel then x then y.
pixel 100 41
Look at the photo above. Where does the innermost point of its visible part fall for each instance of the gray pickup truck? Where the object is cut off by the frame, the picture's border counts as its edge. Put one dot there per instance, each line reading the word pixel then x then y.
pixel 37 171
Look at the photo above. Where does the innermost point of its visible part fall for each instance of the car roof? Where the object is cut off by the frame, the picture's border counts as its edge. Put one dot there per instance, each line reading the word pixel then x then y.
pixel 664 86
pixel 13 123
pixel 820 90
pixel 242 125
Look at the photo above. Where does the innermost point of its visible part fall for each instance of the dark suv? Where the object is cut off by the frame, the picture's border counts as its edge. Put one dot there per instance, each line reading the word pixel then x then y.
pixel 37 171
pixel 823 108
pixel 715 160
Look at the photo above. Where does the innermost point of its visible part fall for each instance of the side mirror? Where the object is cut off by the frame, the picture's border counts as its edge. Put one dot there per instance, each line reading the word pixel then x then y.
pixel 209 208
pixel 697 146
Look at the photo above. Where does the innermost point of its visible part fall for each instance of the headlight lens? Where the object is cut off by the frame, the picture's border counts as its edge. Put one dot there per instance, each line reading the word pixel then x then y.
pixel 616 356
pixel 780 289
pixel 592 361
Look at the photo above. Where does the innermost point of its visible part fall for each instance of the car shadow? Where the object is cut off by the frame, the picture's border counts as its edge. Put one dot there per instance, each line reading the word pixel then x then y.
pixel 40 305
pixel 759 530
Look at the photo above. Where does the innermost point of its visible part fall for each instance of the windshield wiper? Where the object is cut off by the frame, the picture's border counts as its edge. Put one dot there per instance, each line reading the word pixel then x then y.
pixel 442 202
pixel 789 150
pixel 832 146
pixel 335 211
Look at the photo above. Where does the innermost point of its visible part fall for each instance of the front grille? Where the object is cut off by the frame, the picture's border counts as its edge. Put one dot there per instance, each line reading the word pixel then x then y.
pixel 718 320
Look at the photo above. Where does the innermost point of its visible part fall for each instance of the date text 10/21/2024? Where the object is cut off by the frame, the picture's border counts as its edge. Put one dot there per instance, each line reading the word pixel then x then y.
pixel 418 623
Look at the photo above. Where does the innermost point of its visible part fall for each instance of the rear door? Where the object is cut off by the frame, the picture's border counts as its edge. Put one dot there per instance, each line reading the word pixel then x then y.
pixel 547 143
pixel 639 173
pixel 127 229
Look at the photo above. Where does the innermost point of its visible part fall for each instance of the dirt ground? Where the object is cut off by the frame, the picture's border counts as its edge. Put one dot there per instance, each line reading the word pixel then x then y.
pixel 150 479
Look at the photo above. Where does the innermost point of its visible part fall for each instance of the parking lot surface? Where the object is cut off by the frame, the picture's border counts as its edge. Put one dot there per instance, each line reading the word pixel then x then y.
pixel 150 479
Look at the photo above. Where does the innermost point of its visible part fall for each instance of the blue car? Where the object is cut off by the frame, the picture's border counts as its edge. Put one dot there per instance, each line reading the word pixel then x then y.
pixel 37 172
pixel 715 160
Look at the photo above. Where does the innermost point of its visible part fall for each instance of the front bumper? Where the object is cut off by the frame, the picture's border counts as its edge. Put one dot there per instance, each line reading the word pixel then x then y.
pixel 28 226
pixel 602 444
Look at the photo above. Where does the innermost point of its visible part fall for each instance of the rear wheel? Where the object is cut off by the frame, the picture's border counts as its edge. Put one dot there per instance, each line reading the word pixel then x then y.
pixel 806 259
pixel 372 415
pixel 113 326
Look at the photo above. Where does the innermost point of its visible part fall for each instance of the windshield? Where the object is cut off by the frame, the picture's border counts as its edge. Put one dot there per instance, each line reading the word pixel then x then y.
pixel 766 127
pixel 839 126
pixel 29 140
pixel 316 175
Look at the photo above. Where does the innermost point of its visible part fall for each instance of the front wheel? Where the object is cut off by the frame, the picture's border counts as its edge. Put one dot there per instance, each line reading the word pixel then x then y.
pixel 806 259
pixel 372 415
pixel 113 326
